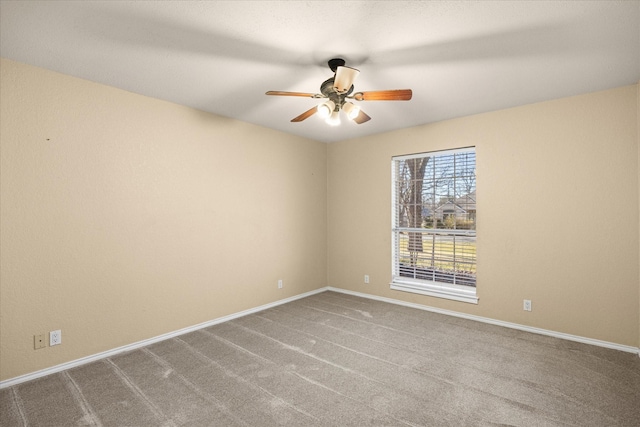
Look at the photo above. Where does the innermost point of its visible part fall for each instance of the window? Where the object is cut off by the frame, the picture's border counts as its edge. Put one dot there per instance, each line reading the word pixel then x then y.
pixel 434 224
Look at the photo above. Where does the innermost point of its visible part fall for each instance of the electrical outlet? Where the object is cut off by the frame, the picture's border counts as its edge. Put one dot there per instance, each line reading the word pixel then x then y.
pixel 280 284
pixel 527 305
pixel 39 341
pixel 55 337
pixel 366 278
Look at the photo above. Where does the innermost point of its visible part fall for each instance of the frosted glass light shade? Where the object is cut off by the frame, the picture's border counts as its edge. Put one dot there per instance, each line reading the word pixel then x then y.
pixel 351 110
pixel 334 119
pixel 326 109
pixel 344 79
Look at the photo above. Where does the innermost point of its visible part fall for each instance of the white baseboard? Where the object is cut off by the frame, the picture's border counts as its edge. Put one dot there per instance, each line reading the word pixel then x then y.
pixel 539 331
pixel 109 353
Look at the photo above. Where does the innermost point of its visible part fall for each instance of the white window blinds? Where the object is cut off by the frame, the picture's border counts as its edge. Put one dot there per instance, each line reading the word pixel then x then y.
pixel 434 223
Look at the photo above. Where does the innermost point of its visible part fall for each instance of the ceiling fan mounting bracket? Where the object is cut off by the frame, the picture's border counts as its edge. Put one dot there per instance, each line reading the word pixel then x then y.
pixel 334 63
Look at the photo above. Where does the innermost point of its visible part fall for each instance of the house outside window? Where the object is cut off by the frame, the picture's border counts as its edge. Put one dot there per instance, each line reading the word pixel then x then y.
pixel 434 224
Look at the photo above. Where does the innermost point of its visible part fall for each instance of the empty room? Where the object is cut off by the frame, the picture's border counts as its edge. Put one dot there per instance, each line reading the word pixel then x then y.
pixel 319 213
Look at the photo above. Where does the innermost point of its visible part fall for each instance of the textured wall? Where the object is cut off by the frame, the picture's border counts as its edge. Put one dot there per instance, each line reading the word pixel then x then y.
pixel 557 213
pixel 125 217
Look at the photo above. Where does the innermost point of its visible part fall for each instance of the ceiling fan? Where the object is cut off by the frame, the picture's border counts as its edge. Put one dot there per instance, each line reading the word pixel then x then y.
pixel 338 90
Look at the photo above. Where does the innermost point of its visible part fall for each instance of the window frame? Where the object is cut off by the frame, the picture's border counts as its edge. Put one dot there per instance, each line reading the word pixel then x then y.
pixel 462 293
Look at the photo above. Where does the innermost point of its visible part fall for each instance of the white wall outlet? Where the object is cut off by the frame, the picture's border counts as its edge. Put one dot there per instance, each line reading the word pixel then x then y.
pixel 366 278
pixel 280 284
pixel 55 337
pixel 527 305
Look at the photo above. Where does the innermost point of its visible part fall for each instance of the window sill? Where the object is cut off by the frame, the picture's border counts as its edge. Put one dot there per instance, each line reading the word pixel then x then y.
pixel 434 289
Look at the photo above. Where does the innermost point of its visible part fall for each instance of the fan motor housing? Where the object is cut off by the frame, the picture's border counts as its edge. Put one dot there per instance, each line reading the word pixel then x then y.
pixel 327 90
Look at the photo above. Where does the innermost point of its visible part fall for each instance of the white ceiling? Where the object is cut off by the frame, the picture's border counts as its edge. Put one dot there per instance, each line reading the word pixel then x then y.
pixel 459 57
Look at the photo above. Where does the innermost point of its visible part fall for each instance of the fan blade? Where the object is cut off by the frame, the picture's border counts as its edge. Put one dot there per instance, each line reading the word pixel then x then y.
pixel 310 112
pixel 361 118
pixel 280 93
pixel 384 95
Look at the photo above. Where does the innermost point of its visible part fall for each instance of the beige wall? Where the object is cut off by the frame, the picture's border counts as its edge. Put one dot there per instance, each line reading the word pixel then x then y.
pixel 125 217
pixel 557 213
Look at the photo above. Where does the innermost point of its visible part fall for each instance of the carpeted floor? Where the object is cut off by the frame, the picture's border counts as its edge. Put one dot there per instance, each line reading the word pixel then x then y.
pixel 338 360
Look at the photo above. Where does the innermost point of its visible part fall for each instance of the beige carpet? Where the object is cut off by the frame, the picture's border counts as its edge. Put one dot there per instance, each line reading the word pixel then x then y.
pixel 339 360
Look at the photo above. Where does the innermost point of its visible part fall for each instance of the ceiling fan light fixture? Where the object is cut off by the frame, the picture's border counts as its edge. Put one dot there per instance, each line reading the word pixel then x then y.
pixel 326 109
pixel 333 119
pixel 351 110
pixel 344 79
pixel 336 90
